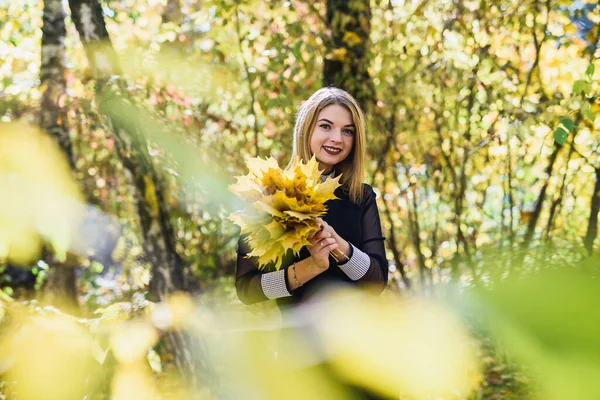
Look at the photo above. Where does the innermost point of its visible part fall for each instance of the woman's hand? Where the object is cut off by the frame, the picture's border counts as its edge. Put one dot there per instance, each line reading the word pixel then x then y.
pixel 327 232
pixel 322 244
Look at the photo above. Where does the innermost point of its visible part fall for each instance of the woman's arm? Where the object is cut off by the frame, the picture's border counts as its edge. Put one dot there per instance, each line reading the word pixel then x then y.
pixel 308 268
pixel 367 261
pixel 253 285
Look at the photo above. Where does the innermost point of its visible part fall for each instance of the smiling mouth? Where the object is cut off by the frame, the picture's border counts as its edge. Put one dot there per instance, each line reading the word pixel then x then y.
pixel 332 150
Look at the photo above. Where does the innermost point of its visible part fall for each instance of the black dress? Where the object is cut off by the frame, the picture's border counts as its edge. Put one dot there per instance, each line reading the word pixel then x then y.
pixel 359 224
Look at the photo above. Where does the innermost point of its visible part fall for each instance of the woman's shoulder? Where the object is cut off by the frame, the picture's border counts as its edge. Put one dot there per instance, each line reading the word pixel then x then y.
pixel 367 189
pixel 368 193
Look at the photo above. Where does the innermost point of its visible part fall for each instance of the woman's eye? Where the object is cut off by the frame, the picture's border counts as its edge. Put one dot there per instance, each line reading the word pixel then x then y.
pixel 324 126
pixel 348 131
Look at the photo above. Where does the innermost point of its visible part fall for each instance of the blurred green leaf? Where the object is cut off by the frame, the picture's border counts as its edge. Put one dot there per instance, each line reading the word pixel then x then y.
pixel 567 123
pixel 589 72
pixel 586 111
pixel 560 135
pixel 550 321
pixel 581 87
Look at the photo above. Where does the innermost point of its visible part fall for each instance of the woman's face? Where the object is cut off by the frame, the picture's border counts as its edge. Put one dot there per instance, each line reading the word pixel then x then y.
pixel 333 137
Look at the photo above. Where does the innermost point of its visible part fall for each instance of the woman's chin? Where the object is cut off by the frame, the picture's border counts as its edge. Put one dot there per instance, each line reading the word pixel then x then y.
pixel 329 159
pixel 326 163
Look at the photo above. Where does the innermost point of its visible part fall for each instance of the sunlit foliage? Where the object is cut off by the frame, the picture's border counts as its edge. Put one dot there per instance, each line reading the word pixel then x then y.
pixel 483 149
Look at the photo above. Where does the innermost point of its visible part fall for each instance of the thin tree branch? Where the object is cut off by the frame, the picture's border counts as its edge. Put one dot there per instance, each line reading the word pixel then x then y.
pixel 248 77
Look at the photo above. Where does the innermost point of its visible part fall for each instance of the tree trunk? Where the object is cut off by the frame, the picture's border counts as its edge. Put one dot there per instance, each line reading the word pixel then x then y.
pixel 347 60
pixel 540 202
pixel 413 217
pixel 103 61
pixel 458 205
pixel 167 267
pixel 172 12
pixel 391 129
pixel 61 283
pixel 511 202
pixel 394 241
pixel 148 193
pixel 434 236
pixel 592 229
pixel 147 189
pixel 556 202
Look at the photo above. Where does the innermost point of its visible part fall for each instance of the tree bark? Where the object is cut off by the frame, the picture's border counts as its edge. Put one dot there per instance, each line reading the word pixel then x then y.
pixel 592 229
pixel 147 188
pixel 172 12
pixel 391 130
pixel 61 282
pixel 540 202
pixel 554 206
pixel 460 236
pixel 413 217
pixel 148 193
pixel 347 60
pixel 103 61
pixel 394 242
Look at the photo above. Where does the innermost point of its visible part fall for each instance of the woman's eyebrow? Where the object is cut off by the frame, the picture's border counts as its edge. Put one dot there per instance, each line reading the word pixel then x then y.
pixel 328 121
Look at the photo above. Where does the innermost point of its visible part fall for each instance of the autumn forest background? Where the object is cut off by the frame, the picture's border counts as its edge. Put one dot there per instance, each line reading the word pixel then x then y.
pixel 123 123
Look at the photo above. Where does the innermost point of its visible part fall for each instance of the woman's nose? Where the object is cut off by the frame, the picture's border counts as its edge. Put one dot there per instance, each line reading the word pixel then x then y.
pixel 336 135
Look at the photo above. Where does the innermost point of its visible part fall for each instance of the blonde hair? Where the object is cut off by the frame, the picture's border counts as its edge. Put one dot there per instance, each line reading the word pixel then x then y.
pixel 352 168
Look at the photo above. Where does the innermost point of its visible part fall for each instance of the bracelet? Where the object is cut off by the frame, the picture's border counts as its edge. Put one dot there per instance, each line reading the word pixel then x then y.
pixel 294 275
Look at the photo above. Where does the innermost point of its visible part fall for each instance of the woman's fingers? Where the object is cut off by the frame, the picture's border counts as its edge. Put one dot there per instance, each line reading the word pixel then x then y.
pixel 317 237
pixel 320 251
pixel 324 247
pixel 331 247
pixel 321 245
pixel 326 242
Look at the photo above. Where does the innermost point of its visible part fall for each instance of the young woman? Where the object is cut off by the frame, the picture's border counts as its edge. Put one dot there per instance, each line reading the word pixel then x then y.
pixel 331 126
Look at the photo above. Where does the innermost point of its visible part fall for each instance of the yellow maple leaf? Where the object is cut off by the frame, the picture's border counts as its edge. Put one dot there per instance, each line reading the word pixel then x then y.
pixel 282 202
pixel 275 229
pixel 238 220
pixel 269 254
pixel 325 191
pixel 258 239
pixel 246 184
pixel 292 241
pixel 310 170
pixel 298 215
pixel 284 206
pixel 258 166
pixel 261 205
pixel 272 180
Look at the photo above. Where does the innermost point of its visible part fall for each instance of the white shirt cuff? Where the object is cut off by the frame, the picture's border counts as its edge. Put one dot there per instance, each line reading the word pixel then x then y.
pixel 273 284
pixel 358 265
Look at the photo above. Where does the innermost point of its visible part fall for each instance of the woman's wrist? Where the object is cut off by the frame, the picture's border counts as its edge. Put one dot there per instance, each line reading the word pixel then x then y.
pixel 304 270
pixel 345 247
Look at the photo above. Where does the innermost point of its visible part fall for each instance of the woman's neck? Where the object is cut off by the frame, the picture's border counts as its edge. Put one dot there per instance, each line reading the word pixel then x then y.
pixel 330 174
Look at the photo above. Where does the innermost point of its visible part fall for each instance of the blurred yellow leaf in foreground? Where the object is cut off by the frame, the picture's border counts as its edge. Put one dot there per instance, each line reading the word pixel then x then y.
pixel 38 194
pixel 133 382
pixel 415 348
pixel 131 341
pixel 48 358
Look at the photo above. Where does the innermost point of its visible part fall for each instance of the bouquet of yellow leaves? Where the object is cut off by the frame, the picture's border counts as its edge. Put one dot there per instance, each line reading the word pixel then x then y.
pixel 285 205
